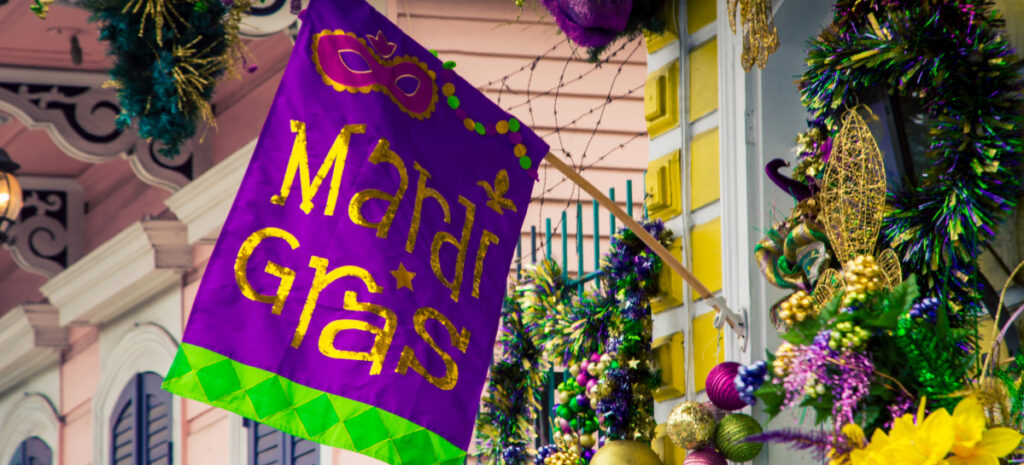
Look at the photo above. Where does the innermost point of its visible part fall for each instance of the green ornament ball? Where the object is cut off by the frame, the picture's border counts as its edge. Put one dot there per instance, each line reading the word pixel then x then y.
pixel 730 435
pixel 574 406
pixel 563 412
pixel 574 423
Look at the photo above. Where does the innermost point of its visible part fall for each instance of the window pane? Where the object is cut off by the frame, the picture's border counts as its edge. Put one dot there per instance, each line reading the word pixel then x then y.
pixel 32 451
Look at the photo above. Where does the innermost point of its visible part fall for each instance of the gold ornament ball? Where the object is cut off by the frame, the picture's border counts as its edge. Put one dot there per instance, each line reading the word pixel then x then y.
pixel 623 452
pixel 563 457
pixel 691 425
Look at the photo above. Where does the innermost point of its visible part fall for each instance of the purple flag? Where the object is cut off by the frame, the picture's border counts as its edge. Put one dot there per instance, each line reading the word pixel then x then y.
pixel 354 293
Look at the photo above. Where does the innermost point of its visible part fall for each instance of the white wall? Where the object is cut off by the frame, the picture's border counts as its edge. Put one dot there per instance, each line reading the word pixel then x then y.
pixel 777 118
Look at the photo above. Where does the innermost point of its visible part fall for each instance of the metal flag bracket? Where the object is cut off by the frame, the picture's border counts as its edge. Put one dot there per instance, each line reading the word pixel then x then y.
pixel 738 321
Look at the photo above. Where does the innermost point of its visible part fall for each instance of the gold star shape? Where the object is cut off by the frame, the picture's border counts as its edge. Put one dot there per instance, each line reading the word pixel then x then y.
pixel 634 364
pixel 403 277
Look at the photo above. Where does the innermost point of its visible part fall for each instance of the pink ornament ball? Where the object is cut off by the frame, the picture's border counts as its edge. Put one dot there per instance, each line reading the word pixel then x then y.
pixel 591 384
pixel 706 456
pixel 594 358
pixel 721 389
pixel 581 379
pixel 564 425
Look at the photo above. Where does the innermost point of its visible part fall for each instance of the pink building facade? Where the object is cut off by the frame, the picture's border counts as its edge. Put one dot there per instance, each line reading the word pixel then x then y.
pixel 97 286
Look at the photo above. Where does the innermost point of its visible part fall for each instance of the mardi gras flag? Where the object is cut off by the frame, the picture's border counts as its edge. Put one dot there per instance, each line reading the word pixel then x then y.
pixel 354 293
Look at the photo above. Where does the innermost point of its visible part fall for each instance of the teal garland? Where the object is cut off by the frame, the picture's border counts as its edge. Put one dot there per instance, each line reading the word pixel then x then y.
pixel 951 56
pixel 150 53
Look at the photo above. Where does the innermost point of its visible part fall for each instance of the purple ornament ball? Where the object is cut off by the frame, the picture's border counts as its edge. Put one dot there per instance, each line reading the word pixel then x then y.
pixel 706 456
pixel 721 389
pixel 590 23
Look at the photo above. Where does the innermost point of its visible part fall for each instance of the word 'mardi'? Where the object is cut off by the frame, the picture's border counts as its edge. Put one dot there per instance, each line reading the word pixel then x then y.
pixel 332 168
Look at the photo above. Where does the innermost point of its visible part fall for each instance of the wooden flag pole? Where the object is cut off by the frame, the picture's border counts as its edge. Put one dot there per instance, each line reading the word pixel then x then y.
pixel 655 246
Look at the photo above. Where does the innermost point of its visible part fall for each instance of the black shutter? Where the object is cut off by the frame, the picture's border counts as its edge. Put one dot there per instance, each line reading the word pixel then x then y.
pixel 157 425
pixel 303 452
pixel 32 451
pixel 268 446
pixel 122 429
pixel 141 426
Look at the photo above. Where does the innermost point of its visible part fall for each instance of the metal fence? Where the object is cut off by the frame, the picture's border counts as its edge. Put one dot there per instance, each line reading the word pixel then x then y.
pixel 582 276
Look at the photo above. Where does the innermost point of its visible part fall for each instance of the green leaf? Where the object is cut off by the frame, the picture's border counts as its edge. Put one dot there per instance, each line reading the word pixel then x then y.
pixel 772 395
pixel 822 410
pixel 803 333
pixel 869 414
pixel 831 309
pixel 942 320
pixel 898 303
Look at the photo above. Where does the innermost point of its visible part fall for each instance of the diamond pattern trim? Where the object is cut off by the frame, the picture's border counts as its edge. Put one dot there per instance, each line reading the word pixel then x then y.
pixel 209 377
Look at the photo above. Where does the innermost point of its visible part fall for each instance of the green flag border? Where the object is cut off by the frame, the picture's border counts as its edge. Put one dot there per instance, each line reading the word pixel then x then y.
pixel 206 376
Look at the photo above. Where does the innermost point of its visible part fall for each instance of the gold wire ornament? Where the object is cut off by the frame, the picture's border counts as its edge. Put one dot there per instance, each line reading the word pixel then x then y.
pixel 852 203
pixel 760 37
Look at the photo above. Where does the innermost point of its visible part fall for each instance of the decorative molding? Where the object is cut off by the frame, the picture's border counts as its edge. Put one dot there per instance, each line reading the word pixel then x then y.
pixel 736 200
pixel 669 354
pixel 144 258
pixel 31 415
pixel 30 340
pixel 171 173
pixel 203 205
pixel 81 119
pixel 147 347
pixel 48 235
pixel 59 77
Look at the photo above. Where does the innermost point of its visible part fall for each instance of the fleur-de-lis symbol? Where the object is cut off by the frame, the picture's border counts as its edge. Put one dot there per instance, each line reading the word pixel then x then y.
pixel 852 205
pixel 496 194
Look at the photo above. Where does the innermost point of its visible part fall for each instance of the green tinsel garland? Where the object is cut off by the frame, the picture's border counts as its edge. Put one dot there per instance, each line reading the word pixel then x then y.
pixel 168 55
pixel 511 402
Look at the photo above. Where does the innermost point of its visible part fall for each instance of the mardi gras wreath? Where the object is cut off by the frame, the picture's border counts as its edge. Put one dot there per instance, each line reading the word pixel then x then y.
pixel 883 343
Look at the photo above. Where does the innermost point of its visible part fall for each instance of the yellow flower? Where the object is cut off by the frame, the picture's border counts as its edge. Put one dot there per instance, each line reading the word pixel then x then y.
pixel 855 435
pixel 926 442
pixel 974 445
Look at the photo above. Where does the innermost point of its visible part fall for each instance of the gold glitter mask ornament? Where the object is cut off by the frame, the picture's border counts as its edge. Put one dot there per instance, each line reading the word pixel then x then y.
pixel 852 202
pixel 760 37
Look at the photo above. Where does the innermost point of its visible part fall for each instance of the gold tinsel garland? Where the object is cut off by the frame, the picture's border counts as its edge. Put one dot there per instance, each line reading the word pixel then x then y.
pixel 760 37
